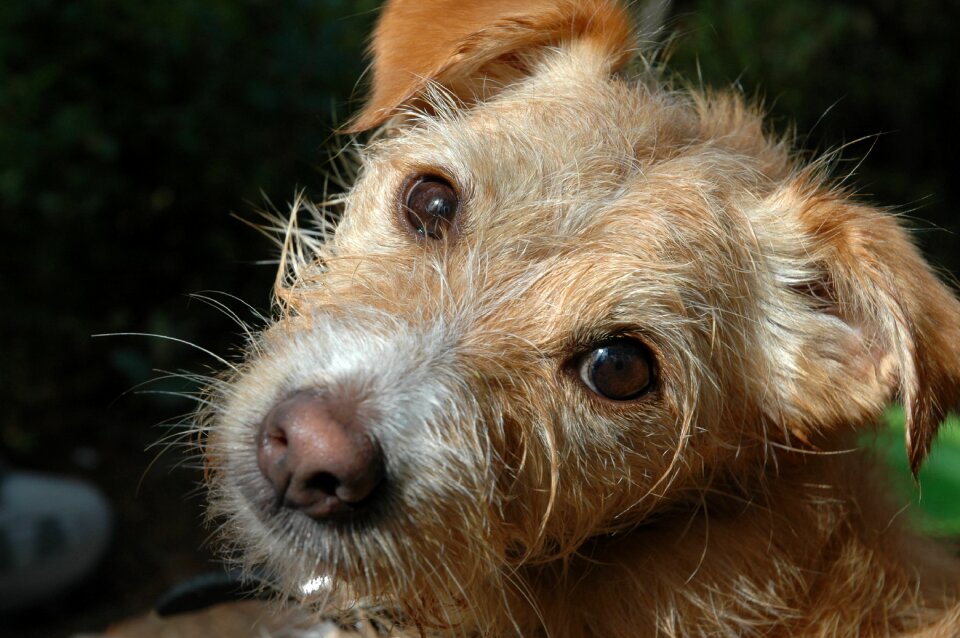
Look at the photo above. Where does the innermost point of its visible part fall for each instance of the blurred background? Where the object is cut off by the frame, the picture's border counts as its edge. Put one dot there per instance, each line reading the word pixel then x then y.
pixel 131 131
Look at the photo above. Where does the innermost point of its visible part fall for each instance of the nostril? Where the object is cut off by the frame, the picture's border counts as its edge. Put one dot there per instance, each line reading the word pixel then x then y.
pixel 328 487
pixel 322 465
pixel 323 482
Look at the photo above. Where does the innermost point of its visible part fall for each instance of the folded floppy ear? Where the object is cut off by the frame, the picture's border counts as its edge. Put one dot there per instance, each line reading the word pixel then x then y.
pixel 875 296
pixel 470 48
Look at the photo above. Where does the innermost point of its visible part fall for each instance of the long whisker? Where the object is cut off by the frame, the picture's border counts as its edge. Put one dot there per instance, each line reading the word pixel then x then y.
pixel 173 339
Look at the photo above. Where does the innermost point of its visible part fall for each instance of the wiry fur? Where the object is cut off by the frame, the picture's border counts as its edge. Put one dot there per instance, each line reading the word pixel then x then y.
pixel 782 314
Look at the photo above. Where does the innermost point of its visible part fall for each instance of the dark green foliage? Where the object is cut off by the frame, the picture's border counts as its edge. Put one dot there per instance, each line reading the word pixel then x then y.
pixel 128 132
pixel 934 499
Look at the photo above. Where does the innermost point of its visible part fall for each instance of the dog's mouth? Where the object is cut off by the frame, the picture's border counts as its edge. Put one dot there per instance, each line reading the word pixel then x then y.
pixel 378 555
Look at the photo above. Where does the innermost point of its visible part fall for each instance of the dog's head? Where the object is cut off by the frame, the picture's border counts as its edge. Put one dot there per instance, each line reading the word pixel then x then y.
pixel 560 299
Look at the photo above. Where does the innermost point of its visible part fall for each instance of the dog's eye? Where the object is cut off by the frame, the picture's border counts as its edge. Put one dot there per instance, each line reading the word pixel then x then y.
pixel 430 205
pixel 619 370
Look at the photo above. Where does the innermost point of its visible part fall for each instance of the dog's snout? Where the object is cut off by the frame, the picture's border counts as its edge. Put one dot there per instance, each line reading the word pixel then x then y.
pixel 318 462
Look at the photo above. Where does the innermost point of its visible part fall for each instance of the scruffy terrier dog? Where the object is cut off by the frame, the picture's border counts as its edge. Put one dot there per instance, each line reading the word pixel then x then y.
pixel 586 356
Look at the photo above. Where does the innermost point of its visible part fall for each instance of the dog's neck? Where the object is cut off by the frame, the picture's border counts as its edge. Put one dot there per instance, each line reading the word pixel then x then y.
pixel 774 561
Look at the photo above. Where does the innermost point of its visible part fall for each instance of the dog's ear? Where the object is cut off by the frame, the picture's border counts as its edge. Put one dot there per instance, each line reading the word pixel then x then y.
pixel 897 319
pixel 471 48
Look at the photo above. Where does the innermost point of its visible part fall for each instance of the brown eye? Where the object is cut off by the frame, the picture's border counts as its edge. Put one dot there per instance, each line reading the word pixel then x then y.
pixel 619 370
pixel 430 206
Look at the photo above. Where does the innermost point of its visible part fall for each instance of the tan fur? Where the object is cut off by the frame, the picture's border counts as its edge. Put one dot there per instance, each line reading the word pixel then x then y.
pixel 783 317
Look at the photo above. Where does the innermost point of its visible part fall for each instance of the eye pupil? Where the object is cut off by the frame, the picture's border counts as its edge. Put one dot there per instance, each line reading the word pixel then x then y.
pixel 431 205
pixel 620 370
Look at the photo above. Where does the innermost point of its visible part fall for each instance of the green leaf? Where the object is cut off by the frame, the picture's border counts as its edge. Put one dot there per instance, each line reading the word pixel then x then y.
pixel 935 499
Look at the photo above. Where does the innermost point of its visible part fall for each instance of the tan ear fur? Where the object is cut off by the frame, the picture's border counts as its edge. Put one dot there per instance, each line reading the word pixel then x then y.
pixel 462 45
pixel 881 285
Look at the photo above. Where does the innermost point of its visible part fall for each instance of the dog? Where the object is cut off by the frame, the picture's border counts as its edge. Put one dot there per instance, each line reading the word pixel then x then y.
pixel 587 355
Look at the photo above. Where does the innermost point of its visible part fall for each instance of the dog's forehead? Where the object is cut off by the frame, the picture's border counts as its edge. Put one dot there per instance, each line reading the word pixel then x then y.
pixel 613 196
pixel 572 147
pixel 561 143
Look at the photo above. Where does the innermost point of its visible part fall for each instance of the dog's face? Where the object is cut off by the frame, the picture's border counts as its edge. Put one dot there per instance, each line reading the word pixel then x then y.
pixel 558 302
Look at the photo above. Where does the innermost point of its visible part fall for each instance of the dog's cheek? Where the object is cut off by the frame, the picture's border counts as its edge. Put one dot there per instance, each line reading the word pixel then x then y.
pixel 577 466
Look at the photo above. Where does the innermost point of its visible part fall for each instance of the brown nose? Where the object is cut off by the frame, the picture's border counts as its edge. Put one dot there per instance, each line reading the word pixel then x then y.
pixel 320 464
